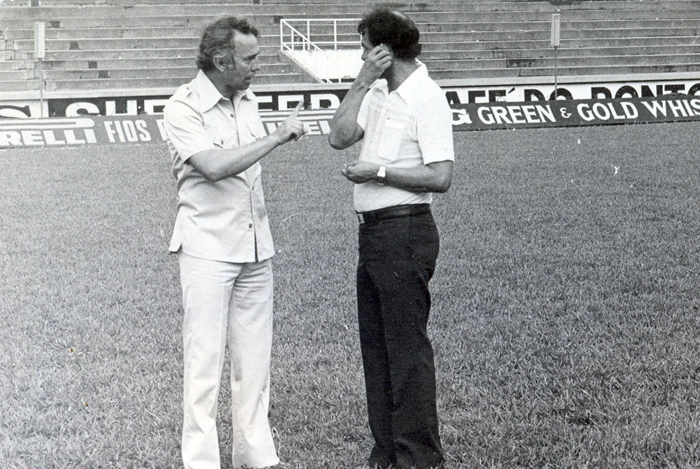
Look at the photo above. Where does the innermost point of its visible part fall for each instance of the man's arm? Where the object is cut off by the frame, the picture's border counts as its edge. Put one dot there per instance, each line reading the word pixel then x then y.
pixel 434 133
pixel 344 128
pixel 219 163
pixel 345 131
pixel 432 177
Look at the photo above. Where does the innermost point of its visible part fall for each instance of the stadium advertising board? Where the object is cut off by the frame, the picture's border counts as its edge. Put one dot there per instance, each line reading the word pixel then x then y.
pixel 566 113
pixel 139 105
pixel 325 99
pixel 82 131
pixel 127 120
pixel 148 128
pixel 576 91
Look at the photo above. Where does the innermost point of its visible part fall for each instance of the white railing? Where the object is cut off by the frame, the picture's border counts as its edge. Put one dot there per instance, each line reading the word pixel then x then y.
pixel 304 41
pixel 301 38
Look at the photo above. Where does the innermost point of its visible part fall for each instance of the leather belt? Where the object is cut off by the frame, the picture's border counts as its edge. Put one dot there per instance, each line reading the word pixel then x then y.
pixel 396 211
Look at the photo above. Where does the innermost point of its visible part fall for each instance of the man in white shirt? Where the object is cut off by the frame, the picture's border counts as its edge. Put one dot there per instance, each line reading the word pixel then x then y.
pixel 407 154
pixel 224 245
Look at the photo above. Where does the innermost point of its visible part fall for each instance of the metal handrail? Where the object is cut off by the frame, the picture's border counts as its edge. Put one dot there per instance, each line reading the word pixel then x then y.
pixel 299 41
pixel 306 42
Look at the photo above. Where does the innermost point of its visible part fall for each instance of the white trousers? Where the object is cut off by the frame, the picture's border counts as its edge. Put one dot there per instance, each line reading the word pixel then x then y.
pixel 227 303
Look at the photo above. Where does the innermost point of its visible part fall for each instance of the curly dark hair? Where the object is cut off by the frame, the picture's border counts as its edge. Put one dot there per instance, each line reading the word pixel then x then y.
pixel 386 26
pixel 217 39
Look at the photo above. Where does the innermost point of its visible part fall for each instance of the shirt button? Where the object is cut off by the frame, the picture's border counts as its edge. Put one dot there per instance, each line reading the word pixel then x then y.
pixel 250 225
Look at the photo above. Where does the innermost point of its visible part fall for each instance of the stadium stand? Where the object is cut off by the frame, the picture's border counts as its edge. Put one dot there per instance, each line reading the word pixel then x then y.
pixel 128 44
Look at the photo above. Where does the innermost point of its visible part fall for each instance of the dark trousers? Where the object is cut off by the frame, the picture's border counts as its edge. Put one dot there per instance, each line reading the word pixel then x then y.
pixel 397 260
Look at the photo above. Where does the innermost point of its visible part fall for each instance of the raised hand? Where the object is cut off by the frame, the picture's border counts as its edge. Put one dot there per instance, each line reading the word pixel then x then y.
pixel 376 61
pixel 292 128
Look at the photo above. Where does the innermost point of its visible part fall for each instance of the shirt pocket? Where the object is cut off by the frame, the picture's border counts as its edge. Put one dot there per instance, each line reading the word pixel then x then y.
pixel 255 132
pixel 229 138
pixel 390 140
pixel 221 137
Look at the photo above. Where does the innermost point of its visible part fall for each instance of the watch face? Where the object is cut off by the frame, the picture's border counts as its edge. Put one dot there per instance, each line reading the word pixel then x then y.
pixel 381 175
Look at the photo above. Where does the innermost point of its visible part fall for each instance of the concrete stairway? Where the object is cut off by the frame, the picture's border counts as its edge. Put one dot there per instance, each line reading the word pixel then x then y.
pixel 116 44
pixel 597 38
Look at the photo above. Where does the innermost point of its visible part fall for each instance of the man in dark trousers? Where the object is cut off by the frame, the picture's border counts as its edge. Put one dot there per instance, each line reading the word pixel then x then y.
pixel 407 154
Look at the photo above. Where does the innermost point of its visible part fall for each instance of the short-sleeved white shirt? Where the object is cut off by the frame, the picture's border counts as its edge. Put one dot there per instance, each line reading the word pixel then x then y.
pixel 224 220
pixel 407 128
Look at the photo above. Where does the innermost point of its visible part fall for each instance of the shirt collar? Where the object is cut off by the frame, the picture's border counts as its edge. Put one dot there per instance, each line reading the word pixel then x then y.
pixel 210 96
pixel 410 90
pixel 412 87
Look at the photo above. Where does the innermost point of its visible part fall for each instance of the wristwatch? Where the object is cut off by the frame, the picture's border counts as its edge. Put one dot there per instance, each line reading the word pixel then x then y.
pixel 381 175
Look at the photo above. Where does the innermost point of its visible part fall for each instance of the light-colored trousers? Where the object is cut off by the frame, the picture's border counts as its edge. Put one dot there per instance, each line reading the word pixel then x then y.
pixel 227 303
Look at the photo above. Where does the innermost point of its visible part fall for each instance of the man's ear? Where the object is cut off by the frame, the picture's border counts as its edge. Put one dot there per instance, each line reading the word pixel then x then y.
pixel 388 48
pixel 222 63
pixel 219 64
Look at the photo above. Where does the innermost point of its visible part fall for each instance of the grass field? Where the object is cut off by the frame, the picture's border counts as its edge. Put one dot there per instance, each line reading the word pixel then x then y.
pixel 566 315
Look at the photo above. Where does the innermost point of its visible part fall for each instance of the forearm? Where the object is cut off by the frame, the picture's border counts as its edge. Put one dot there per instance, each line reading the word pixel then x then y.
pixel 344 128
pixel 220 163
pixel 433 177
pixel 420 179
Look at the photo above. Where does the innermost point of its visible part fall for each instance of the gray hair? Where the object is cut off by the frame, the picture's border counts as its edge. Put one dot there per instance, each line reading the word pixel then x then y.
pixel 217 39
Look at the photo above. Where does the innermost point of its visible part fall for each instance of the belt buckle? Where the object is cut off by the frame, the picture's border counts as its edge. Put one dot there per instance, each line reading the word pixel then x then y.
pixel 360 218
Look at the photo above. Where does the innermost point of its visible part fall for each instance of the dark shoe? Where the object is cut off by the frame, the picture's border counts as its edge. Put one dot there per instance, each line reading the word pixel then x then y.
pixel 381 459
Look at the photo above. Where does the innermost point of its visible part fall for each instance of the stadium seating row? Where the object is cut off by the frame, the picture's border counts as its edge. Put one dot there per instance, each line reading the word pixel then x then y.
pixel 114 44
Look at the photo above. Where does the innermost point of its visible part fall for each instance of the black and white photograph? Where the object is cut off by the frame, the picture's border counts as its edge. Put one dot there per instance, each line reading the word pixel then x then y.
pixel 327 234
